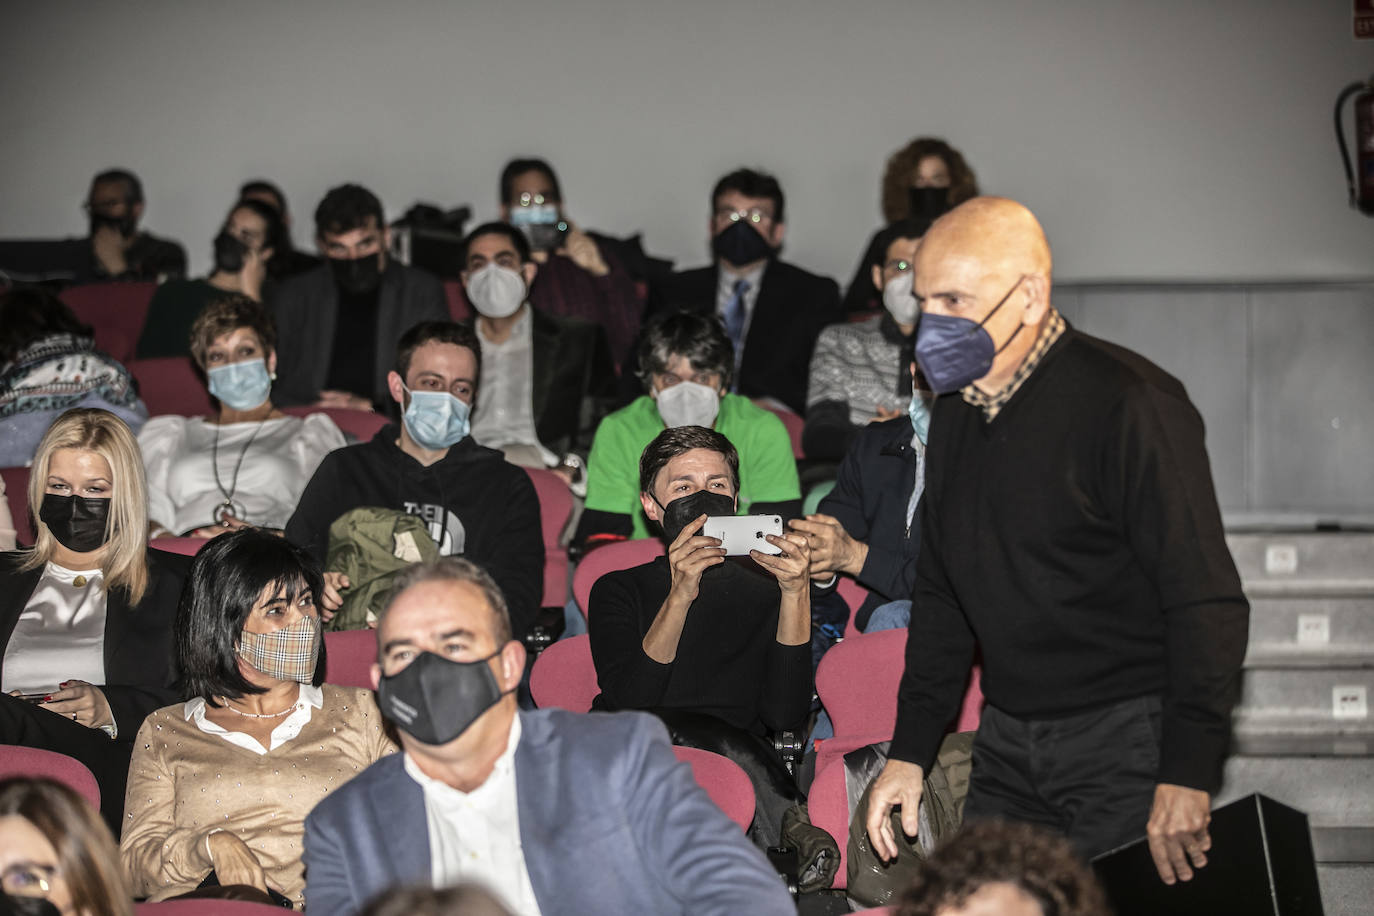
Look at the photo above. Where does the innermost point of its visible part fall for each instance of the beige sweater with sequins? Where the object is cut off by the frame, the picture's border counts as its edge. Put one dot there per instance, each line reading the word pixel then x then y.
pixel 184 783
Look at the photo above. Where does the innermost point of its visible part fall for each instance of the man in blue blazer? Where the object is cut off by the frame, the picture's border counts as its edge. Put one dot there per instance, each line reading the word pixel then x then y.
pixel 555 812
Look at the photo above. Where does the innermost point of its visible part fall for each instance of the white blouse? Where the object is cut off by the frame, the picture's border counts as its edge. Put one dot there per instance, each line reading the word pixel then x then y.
pixel 60 634
pixel 278 458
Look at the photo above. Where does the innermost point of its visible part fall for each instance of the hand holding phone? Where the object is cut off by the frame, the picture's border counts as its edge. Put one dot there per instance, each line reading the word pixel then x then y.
pixel 739 534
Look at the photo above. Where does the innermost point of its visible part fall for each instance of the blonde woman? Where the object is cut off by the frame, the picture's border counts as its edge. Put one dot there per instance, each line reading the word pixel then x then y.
pixel 86 614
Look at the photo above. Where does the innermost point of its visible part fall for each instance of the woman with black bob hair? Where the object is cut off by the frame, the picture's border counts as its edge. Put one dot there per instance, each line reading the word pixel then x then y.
pixel 220 785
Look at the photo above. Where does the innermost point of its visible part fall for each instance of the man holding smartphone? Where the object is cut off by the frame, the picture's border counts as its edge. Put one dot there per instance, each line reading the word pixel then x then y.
pixel 718 649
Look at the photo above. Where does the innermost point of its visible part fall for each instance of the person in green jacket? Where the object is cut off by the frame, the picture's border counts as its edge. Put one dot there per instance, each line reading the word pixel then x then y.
pixel 687 369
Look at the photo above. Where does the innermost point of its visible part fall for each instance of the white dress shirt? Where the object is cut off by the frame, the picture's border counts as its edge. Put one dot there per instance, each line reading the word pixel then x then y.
pixel 505 405
pixel 310 698
pixel 475 836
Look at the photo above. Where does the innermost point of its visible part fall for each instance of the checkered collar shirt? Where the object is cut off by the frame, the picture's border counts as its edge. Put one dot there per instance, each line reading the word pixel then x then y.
pixel 992 404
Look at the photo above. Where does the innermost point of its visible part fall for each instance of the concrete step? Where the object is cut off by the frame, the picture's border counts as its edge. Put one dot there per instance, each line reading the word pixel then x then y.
pixel 1315 623
pixel 1309 559
pixel 1334 792
pixel 1300 738
pixel 1346 889
pixel 1327 696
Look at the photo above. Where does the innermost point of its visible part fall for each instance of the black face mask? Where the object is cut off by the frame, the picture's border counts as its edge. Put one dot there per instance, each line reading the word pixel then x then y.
pixel 78 522
pixel 357 275
pixel 124 225
pixel 739 244
pixel 928 203
pixel 435 699
pixel 684 510
pixel 230 252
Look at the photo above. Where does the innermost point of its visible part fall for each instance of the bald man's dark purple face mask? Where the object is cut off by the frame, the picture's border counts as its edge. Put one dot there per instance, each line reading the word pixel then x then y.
pixel 955 352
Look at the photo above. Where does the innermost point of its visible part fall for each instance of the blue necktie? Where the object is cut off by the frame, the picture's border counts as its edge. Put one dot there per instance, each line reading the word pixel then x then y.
pixel 734 317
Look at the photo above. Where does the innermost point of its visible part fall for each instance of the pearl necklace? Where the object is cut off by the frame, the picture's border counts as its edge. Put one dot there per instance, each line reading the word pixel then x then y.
pixel 257 715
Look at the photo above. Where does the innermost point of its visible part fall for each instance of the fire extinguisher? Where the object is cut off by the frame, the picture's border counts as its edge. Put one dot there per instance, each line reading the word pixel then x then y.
pixel 1361 180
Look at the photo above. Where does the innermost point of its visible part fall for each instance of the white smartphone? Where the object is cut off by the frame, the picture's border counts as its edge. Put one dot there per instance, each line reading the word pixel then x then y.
pixel 740 534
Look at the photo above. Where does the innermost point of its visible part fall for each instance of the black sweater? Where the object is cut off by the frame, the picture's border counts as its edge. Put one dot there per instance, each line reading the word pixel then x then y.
pixel 476 504
pixel 1077 538
pixel 729 662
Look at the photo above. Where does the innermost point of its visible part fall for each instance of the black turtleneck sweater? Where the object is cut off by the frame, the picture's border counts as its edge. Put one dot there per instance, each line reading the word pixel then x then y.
pixel 729 663
pixel 1076 538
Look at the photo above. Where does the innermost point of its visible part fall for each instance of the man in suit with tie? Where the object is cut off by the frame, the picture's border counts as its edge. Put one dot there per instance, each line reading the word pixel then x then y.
pixel 553 811
pixel 772 310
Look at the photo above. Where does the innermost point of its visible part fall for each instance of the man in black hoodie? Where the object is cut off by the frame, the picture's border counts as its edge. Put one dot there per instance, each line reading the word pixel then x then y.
pixel 476 505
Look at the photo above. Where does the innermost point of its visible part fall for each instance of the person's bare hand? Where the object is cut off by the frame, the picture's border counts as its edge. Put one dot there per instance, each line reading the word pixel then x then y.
pixel 832 549
pixel 1177 831
pixel 583 250
pixel 234 862
pixel 792 567
pixel 900 783
pixel 343 399
pixel 887 413
pixel 83 703
pixel 110 246
pixel 331 600
pixel 689 556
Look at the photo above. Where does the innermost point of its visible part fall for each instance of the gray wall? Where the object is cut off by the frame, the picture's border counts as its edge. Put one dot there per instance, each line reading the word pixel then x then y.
pixel 1167 140
pixel 1283 376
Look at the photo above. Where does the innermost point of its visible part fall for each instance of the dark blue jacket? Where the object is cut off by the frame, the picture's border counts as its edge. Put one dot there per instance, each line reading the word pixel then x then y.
pixel 870 500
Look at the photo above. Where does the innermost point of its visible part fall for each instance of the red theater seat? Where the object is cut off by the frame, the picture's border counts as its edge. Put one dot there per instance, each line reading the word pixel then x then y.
pixel 564 677
pixel 360 424
pixel 115 311
pixel 555 506
pixel 724 780
pixel 790 420
pixel 613 556
pixel 170 385
pixel 349 656
pixel 16 494
pixel 40 764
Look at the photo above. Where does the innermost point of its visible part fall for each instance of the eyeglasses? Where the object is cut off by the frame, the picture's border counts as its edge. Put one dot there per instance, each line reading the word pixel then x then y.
pixel 753 215
pixel 535 200
pixel 28 879
pixel 898 265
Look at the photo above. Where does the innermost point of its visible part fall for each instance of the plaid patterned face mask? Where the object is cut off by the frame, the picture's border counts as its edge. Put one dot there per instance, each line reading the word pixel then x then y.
pixel 289 654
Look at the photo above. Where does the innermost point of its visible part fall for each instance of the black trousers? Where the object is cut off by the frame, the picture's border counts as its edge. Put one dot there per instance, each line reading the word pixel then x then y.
pixel 1090 776
pixel 29 725
pixel 774 788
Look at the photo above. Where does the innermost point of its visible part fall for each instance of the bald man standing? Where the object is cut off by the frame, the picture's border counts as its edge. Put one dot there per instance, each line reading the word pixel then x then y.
pixel 1070 530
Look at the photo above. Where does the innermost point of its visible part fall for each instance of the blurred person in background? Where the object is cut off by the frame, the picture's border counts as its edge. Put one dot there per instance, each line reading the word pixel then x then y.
pixel 247 244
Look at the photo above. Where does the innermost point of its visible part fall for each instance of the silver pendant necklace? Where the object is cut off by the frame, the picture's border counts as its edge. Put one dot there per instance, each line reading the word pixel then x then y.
pixel 226 508
pixel 257 715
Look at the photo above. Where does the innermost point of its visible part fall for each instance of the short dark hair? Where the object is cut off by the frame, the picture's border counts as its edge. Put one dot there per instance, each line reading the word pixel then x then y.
pixel 678 440
pixel 517 239
pixel 448 332
pixel 228 313
pixel 517 167
pixel 228 576
pixel 29 313
pixel 751 183
pixel 700 338
pixel 913 227
pixel 455 569
pixel 347 207
pixel 1040 863
pixel 263 186
pixel 133 188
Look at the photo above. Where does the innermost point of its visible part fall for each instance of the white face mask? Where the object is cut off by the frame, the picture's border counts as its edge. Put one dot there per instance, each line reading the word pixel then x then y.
pixel 688 404
pixel 496 291
pixel 899 300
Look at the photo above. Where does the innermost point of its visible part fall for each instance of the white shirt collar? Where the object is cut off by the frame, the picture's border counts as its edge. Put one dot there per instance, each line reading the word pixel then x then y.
pixel 310 698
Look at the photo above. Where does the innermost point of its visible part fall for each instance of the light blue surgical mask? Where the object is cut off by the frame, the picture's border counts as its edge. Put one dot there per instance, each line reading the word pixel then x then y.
pixel 534 215
pixel 919 412
pixel 435 419
pixel 242 385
